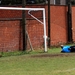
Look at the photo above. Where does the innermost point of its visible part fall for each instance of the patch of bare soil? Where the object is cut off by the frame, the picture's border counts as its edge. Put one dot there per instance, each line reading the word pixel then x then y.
pixel 55 55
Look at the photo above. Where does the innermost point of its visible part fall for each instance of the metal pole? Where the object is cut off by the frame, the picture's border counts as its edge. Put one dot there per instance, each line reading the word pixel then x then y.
pixel 49 23
pixel 45 37
pixel 69 22
pixel 24 25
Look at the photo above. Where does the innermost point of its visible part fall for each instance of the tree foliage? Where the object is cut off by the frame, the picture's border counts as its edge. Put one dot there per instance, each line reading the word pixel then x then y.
pixel 15 2
pixel 73 2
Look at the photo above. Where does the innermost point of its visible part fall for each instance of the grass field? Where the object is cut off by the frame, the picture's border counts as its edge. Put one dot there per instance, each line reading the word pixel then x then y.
pixel 39 63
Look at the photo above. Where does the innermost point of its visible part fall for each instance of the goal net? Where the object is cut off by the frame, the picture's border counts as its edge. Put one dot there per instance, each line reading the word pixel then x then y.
pixel 10 23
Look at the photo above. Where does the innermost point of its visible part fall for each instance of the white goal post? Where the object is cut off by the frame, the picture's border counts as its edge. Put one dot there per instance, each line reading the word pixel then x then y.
pixel 32 9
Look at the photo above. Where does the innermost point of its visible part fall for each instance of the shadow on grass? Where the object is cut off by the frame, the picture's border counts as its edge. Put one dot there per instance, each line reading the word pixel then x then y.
pixel 17 53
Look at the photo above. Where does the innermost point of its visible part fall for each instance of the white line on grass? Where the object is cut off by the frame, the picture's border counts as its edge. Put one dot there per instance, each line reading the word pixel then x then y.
pixel 68 70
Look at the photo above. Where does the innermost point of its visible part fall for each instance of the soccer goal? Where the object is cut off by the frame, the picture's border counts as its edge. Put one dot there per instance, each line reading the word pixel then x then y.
pixel 43 22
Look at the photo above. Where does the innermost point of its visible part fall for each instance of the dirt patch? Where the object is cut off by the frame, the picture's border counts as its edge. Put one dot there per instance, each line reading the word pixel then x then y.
pixel 55 55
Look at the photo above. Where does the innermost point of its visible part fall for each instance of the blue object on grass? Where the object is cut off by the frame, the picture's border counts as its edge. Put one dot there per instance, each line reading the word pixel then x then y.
pixel 66 49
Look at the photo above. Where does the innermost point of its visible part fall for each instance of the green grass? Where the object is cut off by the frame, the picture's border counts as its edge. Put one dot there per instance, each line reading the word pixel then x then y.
pixel 27 64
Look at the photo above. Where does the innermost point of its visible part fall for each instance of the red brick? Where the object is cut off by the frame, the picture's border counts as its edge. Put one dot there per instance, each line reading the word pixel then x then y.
pixel 11 30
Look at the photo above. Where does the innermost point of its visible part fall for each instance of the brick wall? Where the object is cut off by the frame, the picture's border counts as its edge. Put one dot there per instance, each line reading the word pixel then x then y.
pixel 11 28
pixel 58 25
pixel 9 35
pixel 73 22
